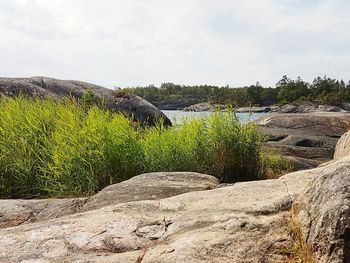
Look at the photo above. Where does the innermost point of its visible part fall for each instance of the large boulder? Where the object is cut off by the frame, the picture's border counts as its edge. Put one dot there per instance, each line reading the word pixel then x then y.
pixel 139 109
pixel 343 146
pixel 52 88
pixel 323 213
pixel 244 222
pixel 307 139
pixel 128 104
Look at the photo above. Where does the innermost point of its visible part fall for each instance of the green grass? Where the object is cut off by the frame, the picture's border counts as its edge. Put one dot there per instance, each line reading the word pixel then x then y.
pixel 66 148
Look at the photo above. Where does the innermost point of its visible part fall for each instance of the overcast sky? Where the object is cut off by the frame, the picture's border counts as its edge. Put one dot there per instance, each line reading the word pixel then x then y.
pixel 137 42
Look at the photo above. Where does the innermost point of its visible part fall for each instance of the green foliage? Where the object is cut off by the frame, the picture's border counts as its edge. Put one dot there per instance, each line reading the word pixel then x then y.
pixel 51 148
pixel 322 90
pixel 219 145
pixel 274 165
pixel 54 148
pixel 90 99
pixel 291 90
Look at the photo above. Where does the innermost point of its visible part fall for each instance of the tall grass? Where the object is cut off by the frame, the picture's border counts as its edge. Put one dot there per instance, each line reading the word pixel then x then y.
pixel 52 148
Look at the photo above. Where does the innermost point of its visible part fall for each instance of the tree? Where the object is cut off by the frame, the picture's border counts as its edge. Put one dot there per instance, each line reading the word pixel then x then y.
pixel 292 90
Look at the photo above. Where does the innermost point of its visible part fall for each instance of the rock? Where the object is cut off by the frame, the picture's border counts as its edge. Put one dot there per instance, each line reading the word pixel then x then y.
pixel 329 108
pixel 204 106
pixel 129 104
pixel 253 109
pixel 316 123
pixel 343 146
pixel 310 138
pixel 289 109
pixel 309 107
pixel 345 106
pixel 323 213
pixel 139 109
pixel 151 186
pixel 53 88
pixel 244 222
pixel 299 163
pixel 14 212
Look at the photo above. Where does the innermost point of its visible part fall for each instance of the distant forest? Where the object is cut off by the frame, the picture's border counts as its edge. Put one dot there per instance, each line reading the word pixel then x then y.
pixel 323 90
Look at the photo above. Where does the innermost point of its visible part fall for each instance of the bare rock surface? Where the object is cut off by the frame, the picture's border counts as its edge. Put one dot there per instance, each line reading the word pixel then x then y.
pixel 309 107
pixel 308 138
pixel 244 222
pixel 129 104
pixel 323 212
pixel 343 146
pixel 204 106
pixel 151 186
pixel 253 109
pixel 15 212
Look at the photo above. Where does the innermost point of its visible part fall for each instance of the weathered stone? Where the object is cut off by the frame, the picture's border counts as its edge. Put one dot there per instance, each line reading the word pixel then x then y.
pixel 244 222
pixel 14 212
pixel 343 146
pixel 289 109
pixel 310 138
pixel 204 106
pixel 254 109
pixel 309 107
pixel 323 212
pixel 151 186
pixel 316 123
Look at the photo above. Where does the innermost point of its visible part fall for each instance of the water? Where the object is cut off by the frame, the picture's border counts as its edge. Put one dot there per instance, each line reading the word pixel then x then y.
pixel 178 115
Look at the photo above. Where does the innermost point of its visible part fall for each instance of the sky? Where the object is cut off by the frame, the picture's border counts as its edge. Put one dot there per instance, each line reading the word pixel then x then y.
pixel 118 43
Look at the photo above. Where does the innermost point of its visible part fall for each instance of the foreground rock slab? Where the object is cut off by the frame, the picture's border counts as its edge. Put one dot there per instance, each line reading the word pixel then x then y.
pixel 244 222
pixel 151 186
pixel 323 213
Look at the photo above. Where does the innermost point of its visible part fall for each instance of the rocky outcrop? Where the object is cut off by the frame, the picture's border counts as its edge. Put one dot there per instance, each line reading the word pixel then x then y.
pixel 306 108
pixel 52 88
pixel 307 139
pixel 323 213
pixel 129 104
pixel 151 186
pixel 343 146
pixel 244 222
pixel 204 106
pixel 254 109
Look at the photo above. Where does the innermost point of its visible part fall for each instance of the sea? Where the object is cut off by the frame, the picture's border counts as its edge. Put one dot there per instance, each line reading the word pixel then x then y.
pixel 177 116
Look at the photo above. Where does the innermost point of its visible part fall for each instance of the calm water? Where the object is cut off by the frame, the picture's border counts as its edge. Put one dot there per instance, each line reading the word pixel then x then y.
pixel 177 115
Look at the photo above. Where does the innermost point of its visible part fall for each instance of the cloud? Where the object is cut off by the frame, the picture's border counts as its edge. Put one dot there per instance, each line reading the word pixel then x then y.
pixel 127 43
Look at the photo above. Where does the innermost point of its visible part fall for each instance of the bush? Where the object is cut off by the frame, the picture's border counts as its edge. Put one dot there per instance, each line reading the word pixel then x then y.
pixel 66 148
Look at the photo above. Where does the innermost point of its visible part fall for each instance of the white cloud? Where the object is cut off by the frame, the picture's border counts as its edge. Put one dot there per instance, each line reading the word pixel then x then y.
pixel 135 42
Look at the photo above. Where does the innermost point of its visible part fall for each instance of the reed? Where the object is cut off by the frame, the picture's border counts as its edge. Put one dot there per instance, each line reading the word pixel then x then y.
pixel 68 148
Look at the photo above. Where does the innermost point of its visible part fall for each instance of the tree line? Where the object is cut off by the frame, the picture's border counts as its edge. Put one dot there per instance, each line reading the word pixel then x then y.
pixel 323 90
